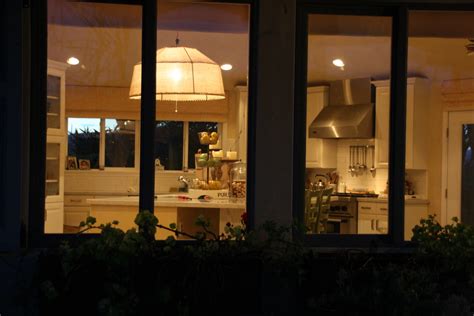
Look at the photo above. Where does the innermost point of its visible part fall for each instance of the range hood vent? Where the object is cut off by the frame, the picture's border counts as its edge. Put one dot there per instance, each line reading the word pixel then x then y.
pixel 350 113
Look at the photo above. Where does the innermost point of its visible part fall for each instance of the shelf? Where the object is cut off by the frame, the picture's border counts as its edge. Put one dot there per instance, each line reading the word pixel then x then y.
pixel 52 114
pixel 52 97
pixel 52 181
pixel 52 158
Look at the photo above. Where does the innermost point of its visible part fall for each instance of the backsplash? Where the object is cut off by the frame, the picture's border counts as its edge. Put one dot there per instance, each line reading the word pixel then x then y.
pixel 121 182
pixel 365 180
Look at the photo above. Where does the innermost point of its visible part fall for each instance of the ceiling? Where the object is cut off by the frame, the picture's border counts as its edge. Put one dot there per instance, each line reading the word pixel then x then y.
pixel 108 43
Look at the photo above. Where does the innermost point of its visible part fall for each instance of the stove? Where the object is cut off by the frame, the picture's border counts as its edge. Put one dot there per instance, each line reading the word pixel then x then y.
pixel 353 194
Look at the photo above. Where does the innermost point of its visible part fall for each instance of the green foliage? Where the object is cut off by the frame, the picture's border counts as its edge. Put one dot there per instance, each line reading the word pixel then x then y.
pixel 255 272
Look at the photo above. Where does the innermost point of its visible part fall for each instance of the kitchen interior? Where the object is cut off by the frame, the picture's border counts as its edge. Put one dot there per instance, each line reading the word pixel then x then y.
pixel 93 153
pixel 348 119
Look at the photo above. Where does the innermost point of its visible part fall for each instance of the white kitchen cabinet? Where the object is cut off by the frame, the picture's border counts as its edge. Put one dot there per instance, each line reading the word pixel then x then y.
pixel 55 147
pixel 416 123
pixel 320 153
pixel 373 217
pixel 54 218
pixel 413 214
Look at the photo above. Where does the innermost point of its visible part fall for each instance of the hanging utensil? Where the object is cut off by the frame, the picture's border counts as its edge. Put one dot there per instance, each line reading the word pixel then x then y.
pixel 357 155
pixel 372 169
pixel 350 158
pixel 364 157
pixel 353 159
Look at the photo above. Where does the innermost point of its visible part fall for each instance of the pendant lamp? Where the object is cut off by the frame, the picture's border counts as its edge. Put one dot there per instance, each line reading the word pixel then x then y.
pixel 182 74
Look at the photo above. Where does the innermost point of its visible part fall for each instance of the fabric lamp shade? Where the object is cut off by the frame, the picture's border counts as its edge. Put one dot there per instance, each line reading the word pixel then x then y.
pixel 182 74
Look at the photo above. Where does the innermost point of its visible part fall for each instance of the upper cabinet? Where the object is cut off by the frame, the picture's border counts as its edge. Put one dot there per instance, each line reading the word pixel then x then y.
pixel 242 122
pixel 320 153
pixel 55 103
pixel 416 124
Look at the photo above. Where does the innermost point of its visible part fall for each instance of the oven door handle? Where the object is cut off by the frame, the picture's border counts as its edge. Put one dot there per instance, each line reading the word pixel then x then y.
pixel 372 224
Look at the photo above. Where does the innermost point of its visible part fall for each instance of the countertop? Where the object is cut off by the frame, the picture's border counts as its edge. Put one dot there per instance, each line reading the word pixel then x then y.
pixel 385 200
pixel 169 202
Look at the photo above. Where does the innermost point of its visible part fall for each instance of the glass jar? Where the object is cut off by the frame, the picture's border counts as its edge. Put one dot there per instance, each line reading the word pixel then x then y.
pixel 238 180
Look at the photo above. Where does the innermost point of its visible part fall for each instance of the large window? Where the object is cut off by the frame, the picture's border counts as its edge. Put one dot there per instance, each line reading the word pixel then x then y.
pixel 440 116
pixel 347 125
pixel 84 140
pixel 110 152
pixel 169 145
pixel 194 145
pixel 119 143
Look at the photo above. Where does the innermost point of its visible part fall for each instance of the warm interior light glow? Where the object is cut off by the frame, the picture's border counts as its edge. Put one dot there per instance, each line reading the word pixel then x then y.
pixel 175 74
pixel 226 67
pixel 338 63
pixel 182 74
pixel 73 61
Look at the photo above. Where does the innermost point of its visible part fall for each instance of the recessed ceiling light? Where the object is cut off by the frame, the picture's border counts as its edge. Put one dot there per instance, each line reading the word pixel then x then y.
pixel 73 61
pixel 226 67
pixel 338 63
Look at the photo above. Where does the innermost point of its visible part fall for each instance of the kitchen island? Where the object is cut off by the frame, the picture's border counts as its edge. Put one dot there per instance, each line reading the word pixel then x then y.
pixel 169 209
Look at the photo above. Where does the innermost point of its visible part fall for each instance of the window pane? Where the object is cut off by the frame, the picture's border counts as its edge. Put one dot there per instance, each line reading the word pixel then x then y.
pixel 92 48
pixel 119 143
pixel 194 39
pixel 194 144
pixel 440 113
pixel 169 145
pixel 84 139
pixel 347 124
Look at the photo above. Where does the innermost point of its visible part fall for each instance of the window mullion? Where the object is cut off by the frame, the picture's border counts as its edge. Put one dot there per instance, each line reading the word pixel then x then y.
pixel 102 144
pixel 398 93
pixel 148 107
pixel 185 144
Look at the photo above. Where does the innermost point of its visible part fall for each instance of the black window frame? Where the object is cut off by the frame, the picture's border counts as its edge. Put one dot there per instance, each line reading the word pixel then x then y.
pixel 34 236
pixel 399 11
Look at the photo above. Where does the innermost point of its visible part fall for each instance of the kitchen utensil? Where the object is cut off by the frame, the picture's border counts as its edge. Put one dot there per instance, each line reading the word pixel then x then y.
pixel 357 165
pixel 372 169
pixel 364 159
pixel 353 160
pixel 350 158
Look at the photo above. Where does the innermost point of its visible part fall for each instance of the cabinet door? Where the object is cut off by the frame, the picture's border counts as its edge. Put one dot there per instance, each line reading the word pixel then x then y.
pixel 56 90
pixel 365 225
pixel 413 214
pixel 54 218
pixel 381 224
pixel 54 177
pixel 320 153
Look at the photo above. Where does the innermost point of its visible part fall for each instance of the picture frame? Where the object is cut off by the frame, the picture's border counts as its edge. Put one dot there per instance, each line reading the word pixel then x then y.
pixel 84 164
pixel 71 163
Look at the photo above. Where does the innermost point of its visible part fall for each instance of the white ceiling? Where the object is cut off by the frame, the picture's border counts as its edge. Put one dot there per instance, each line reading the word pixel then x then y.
pixel 107 40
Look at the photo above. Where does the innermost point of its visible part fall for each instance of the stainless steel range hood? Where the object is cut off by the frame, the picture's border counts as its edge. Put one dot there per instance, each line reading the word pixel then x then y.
pixel 350 113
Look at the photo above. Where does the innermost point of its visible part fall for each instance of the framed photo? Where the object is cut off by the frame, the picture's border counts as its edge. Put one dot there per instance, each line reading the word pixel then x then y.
pixel 84 164
pixel 71 163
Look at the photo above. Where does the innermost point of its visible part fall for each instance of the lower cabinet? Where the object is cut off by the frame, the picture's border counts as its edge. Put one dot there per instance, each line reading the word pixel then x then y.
pixel 54 218
pixel 373 218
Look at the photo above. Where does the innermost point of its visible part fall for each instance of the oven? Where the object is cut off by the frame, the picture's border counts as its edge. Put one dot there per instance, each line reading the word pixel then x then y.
pixel 342 217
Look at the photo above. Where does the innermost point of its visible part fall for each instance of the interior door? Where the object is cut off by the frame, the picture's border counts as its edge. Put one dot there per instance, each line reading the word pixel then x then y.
pixel 460 168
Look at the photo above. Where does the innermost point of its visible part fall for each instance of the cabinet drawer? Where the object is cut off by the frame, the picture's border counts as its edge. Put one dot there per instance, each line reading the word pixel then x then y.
pixel 367 208
pixel 77 199
pixel 382 208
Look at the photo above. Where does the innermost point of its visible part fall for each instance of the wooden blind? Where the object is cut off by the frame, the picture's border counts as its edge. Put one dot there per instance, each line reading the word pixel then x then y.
pixel 84 101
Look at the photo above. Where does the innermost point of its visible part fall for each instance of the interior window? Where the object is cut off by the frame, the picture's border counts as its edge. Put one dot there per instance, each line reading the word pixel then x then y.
pixel 119 143
pixel 169 145
pixel 194 145
pixel 83 141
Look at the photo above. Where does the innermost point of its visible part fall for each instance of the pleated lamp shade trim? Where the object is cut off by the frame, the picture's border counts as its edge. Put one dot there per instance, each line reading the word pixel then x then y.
pixel 182 74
